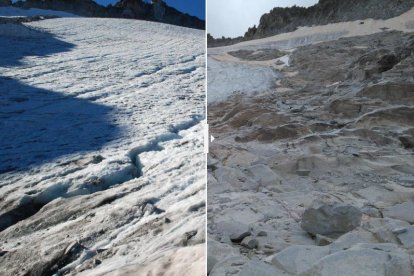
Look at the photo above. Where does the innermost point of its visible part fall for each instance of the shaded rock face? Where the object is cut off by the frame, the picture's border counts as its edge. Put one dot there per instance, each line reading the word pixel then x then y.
pixel 80 7
pixel 134 9
pixel 159 8
pixel 5 3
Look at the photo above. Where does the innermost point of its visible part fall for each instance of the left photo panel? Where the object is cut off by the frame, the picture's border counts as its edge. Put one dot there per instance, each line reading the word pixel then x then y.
pixel 102 117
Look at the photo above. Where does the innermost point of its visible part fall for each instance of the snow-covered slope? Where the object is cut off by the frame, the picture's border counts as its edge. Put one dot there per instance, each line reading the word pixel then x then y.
pixel 102 164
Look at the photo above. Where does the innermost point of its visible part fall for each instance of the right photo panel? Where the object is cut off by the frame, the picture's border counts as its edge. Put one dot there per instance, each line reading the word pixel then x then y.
pixel 311 116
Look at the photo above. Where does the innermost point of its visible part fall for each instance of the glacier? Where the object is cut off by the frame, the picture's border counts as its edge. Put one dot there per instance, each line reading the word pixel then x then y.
pixel 102 167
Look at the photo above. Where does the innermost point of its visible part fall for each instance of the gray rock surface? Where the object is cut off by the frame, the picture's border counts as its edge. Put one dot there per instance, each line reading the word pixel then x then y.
pixel 330 219
pixel 406 237
pixel 403 211
pixel 364 260
pixel 229 266
pixel 334 125
pixel 258 268
pixel 250 242
pixel 217 252
pixel 352 238
pixel 297 259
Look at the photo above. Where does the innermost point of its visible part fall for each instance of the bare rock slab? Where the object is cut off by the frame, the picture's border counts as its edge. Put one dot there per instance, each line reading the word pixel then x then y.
pixel 364 260
pixel 217 251
pixel 386 229
pixel 258 268
pixel 352 238
pixel 299 258
pixel 403 211
pixel 407 237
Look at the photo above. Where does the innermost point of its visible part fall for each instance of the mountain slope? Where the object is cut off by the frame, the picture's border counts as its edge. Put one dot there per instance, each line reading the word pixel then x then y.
pixel 282 20
pixel 312 168
pixel 102 164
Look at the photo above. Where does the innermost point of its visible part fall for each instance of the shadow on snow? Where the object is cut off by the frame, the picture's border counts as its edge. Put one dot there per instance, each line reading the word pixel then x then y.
pixel 38 125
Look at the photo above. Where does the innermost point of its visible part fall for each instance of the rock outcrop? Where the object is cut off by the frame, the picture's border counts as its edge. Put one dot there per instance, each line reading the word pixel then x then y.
pixel 282 20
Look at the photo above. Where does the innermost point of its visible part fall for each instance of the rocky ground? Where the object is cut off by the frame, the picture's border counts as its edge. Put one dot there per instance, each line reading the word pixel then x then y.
pixel 314 175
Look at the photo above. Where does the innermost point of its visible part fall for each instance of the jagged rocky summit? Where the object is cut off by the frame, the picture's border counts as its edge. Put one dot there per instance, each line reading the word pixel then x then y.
pixel 4 3
pixel 282 20
pixel 157 11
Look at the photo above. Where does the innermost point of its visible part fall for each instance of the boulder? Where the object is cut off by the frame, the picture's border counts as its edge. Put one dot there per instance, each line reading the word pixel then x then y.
pixel 330 219
pixel 346 107
pixel 250 242
pixel 406 181
pixel 392 92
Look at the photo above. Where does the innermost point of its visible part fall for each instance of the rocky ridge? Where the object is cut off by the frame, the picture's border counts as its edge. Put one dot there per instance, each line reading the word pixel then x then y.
pixel 282 20
pixel 134 9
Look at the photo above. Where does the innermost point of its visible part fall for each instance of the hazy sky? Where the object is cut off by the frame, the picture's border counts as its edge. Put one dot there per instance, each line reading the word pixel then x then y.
pixel 231 18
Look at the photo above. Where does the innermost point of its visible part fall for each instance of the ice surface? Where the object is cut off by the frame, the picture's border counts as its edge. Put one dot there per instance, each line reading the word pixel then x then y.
pixel 227 78
pixel 101 144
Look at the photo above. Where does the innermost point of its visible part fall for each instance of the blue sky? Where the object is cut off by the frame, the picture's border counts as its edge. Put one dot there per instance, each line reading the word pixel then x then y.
pixel 232 18
pixel 193 7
